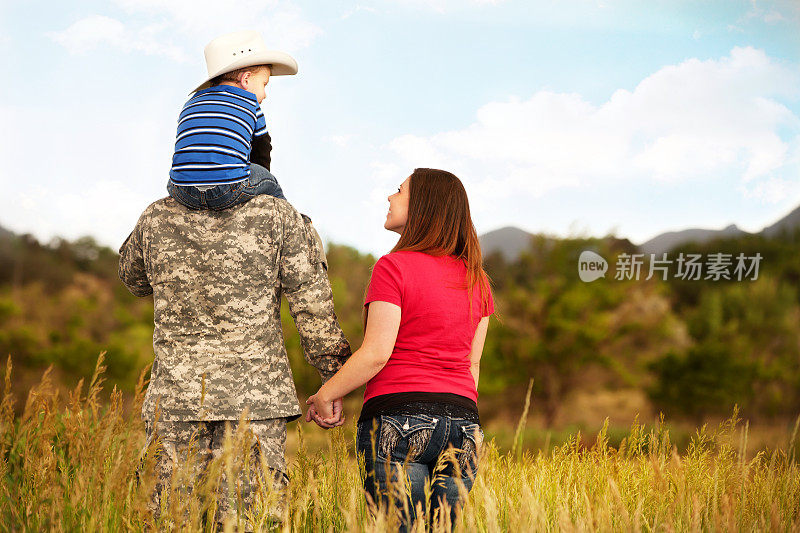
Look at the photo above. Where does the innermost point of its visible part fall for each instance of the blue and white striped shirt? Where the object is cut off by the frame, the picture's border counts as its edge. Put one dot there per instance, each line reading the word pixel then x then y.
pixel 215 132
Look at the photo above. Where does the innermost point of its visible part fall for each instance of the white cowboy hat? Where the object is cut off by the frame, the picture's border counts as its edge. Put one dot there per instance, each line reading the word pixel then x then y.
pixel 244 49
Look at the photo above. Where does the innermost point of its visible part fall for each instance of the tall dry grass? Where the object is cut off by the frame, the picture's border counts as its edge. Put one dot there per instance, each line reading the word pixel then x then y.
pixel 70 462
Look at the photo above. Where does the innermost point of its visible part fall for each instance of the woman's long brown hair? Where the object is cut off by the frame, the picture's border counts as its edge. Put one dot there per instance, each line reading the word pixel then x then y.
pixel 439 223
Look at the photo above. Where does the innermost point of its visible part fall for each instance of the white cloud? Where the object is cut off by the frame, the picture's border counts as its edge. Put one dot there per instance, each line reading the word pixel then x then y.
pixel 90 32
pixel 179 29
pixel 281 22
pixel 770 16
pixel 698 120
pixel 444 6
pixel 773 16
pixel 114 163
pixel 772 190
pixel 340 140
pixel 99 30
pixel 779 11
pixel 106 211
pixel 356 9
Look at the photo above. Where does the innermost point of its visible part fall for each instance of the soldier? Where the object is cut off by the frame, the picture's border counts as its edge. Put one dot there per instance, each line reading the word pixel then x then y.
pixel 216 278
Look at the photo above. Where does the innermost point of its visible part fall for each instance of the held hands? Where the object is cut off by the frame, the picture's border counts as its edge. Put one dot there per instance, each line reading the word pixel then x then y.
pixel 327 415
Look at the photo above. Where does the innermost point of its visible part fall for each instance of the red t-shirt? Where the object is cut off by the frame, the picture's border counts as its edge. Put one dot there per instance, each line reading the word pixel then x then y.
pixel 431 353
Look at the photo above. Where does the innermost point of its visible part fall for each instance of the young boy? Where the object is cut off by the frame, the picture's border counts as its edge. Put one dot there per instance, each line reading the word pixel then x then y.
pixel 222 148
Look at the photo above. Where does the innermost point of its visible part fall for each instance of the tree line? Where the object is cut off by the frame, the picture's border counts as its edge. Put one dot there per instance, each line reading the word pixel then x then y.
pixel 695 347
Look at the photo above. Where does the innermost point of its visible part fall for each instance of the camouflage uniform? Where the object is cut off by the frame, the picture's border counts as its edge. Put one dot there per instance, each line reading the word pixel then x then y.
pixel 265 441
pixel 217 279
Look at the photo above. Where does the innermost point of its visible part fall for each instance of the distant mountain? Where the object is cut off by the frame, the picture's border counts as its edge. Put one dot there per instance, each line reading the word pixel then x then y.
pixel 790 222
pixel 6 234
pixel 509 241
pixel 672 239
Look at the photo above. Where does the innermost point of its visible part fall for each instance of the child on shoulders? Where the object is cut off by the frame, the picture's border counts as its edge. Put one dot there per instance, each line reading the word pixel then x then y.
pixel 222 147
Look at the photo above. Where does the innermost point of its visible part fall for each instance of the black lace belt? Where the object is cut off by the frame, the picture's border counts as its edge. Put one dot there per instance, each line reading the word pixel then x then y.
pixel 428 403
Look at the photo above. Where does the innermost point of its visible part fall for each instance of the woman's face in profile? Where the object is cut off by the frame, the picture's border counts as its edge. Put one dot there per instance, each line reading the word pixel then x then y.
pixel 398 208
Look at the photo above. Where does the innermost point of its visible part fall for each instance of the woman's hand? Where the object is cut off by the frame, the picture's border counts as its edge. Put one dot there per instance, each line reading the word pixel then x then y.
pixel 382 326
pixel 338 415
pixel 324 409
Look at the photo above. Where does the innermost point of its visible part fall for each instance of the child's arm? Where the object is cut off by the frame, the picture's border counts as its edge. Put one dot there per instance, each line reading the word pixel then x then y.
pixel 260 150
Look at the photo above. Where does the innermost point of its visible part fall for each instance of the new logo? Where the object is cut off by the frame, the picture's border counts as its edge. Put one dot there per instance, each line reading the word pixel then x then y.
pixel 591 266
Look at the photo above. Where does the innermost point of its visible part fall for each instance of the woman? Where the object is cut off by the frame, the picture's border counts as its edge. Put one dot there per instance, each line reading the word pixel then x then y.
pixel 426 314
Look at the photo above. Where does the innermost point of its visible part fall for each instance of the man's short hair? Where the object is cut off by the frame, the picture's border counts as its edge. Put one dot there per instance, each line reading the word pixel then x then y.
pixel 234 75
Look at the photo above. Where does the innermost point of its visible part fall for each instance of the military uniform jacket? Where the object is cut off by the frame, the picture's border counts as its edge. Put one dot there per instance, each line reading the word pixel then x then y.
pixel 216 278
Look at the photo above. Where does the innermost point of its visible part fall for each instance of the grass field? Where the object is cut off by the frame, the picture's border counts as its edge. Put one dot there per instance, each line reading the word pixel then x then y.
pixel 69 465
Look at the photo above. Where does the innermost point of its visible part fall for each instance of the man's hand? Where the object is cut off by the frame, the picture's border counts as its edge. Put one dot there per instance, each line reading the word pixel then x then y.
pixel 336 417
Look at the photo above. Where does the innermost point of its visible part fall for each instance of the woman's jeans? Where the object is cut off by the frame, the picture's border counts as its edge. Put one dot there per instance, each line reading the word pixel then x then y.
pixel 261 181
pixel 416 446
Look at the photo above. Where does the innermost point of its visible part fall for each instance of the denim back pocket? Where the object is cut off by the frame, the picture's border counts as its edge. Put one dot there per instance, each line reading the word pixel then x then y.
pixel 471 442
pixel 405 437
pixel 225 196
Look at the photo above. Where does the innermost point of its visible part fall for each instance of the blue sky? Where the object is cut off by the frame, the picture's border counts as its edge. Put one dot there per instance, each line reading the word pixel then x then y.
pixel 560 117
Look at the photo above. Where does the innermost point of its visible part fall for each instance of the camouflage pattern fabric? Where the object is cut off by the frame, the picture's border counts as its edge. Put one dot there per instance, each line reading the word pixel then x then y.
pixel 203 441
pixel 216 278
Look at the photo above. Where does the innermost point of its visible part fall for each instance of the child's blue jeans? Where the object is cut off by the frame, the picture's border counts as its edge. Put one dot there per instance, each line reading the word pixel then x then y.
pixel 411 450
pixel 261 181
